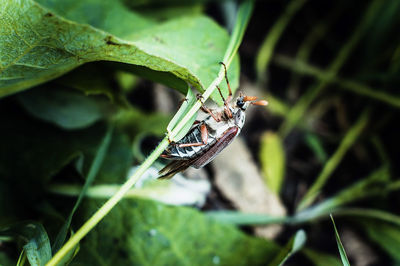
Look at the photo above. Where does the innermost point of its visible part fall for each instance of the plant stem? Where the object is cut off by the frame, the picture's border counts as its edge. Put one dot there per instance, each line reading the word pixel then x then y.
pixel 302 67
pixel 265 53
pixel 336 158
pixel 300 108
pixel 106 208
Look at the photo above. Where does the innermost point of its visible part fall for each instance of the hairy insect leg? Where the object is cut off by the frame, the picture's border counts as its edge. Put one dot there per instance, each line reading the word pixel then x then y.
pixel 228 100
pixel 204 138
pixel 226 110
pixel 205 109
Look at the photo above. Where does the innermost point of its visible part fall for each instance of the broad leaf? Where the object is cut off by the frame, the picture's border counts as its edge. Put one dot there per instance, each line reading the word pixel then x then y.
pixel 66 108
pixel 149 233
pixel 38 44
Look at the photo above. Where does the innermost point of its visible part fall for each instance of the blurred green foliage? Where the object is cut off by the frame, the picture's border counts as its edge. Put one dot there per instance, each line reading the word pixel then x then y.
pixel 60 99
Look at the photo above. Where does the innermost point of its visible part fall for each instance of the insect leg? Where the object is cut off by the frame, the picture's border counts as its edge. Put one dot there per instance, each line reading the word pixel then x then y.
pixel 204 138
pixel 226 110
pixel 205 109
pixel 228 100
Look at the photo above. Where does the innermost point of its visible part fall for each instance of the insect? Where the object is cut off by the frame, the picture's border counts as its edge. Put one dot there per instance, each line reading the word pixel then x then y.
pixel 210 136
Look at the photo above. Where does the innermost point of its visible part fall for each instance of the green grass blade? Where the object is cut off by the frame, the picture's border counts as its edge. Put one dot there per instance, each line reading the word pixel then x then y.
pixel 319 258
pixel 21 258
pixel 369 213
pixel 300 108
pixel 293 246
pixel 315 144
pixel 239 218
pixel 242 19
pixel 330 166
pixel 386 236
pixel 265 53
pixel 377 183
pixel 304 68
pixel 94 169
pixel 342 252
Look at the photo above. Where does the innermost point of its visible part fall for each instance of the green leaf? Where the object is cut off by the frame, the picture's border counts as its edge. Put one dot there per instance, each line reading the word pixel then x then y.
pixel 385 235
pixel 97 78
pixel 342 252
pixel 36 241
pixel 149 233
pixel 93 171
pixel 272 158
pixel 376 184
pixel 6 260
pixel 348 141
pixel 49 45
pixel 293 246
pixel 314 143
pixel 242 19
pixel 48 149
pixel 240 218
pixel 320 258
pixel 138 123
pixel 66 108
pixel 267 48
pixel 28 163
pixel 370 213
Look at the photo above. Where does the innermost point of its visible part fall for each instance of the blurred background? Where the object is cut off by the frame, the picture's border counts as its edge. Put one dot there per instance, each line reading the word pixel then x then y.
pixel 327 143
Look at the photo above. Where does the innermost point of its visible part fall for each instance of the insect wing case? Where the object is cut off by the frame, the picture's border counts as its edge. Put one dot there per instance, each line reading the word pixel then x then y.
pixel 216 148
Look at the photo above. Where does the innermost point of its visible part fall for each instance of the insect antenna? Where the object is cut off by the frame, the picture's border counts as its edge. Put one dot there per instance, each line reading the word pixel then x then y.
pixel 261 102
pixel 252 100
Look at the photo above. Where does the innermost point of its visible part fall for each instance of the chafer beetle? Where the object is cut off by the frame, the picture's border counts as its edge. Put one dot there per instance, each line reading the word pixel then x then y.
pixel 209 136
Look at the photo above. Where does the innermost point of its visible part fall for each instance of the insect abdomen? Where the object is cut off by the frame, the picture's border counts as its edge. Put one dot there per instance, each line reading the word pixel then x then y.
pixel 194 136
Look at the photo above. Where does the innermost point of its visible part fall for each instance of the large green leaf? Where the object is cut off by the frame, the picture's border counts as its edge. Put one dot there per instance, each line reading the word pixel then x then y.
pixel 139 232
pixel 39 44
pixel 69 109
